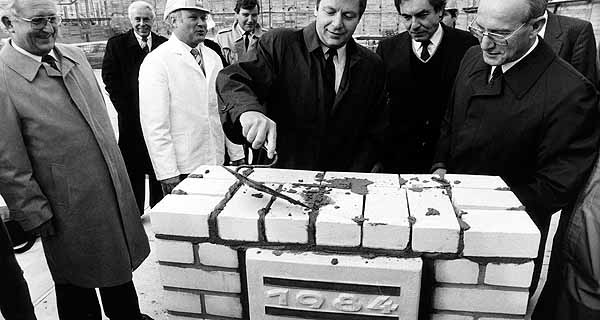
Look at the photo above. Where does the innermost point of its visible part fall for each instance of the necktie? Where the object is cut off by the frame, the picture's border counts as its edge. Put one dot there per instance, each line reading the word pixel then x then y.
pixel 246 40
pixel 50 61
pixel 329 78
pixel 496 75
pixel 424 51
pixel 145 47
pixel 198 56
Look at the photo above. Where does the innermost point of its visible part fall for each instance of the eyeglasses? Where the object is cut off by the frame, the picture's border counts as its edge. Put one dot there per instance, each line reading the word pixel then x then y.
pixel 498 39
pixel 38 23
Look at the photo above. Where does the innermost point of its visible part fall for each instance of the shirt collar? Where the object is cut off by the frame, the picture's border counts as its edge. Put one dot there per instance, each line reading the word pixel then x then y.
pixel 507 66
pixel 31 55
pixel 543 30
pixel 139 39
pixel 435 39
pixel 239 29
pixel 341 52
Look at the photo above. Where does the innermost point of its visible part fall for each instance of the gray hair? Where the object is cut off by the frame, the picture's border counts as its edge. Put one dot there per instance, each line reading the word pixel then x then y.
pixel 14 7
pixel 536 9
pixel 139 5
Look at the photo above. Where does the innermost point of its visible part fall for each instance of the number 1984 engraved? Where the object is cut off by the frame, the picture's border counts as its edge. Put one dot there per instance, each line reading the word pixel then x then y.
pixel 345 302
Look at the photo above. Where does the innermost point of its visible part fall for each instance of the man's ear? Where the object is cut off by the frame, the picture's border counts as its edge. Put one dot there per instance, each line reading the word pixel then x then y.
pixel 7 23
pixel 538 23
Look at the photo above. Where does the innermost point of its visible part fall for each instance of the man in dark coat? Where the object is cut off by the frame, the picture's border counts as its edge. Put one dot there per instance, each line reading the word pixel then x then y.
pixel 61 172
pixel 313 93
pixel 421 64
pixel 573 40
pixel 520 112
pixel 122 59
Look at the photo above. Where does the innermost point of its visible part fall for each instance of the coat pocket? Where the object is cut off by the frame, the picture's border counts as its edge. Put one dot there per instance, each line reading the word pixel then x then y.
pixel 60 194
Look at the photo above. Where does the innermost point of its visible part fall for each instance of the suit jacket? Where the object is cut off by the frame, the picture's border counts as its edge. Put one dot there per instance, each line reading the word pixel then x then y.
pixel 178 110
pixel 573 40
pixel 414 123
pixel 60 162
pixel 120 69
pixel 285 83
pixel 537 128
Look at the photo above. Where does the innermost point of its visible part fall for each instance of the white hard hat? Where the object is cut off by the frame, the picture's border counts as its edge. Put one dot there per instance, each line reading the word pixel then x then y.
pixel 174 5
pixel 451 4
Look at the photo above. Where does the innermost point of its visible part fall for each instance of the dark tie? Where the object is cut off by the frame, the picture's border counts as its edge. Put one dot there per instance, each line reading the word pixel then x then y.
pixel 198 58
pixel 50 61
pixel 496 75
pixel 424 51
pixel 329 78
pixel 246 40
pixel 145 47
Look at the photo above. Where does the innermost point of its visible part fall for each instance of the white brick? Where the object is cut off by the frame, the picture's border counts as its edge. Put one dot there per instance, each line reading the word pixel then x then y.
pixel 336 223
pixel 239 218
pixel 223 306
pixel 381 182
pixel 415 181
pixel 285 176
pixel 456 271
pixel 182 301
pixel 192 278
pixel 386 223
pixel 217 255
pixel 481 199
pixel 500 234
pixel 446 316
pixel 509 274
pixel 437 232
pixel 480 300
pixel 208 187
pixel 183 215
pixel 174 251
pixel 324 271
pixel 286 222
pixel 476 181
pixel 214 173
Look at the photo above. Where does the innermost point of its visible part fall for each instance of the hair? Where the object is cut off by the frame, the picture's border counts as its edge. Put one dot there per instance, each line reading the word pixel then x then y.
pixel 138 5
pixel 438 5
pixel 362 6
pixel 246 4
pixel 452 12
pixel 14 7
pixel 536 9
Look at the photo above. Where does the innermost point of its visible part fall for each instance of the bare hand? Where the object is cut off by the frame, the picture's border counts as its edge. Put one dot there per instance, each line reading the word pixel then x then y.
pixel 169 184
pixel 259 130
pixel 441 172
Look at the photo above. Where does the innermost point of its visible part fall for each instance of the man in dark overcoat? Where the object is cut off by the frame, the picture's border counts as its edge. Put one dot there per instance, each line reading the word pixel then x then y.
pixel 314 94
pixel 573 40
pixel 520 112
pixel 120 68
pixel 61 172
pixel 421 64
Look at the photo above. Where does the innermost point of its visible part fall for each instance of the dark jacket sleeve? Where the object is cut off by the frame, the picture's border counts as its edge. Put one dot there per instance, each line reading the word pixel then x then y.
pixel 565 154
pixel 584 54
pixel 111 75
pixel 245 86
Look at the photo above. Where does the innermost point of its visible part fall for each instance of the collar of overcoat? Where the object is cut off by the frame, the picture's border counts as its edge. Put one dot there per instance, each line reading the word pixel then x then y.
pixel 520 78
pixel 237 36
pixel 553 32
pixel 28 68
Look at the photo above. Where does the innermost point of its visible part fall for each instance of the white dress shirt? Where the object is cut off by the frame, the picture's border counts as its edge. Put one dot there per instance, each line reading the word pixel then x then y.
pixel 435 39
pixel 141 42
pixel 507 66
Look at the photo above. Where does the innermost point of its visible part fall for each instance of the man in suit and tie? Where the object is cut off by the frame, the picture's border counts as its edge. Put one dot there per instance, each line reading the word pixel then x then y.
pixel 122 59
pixel 61 172
pixel 573 40
pixel 178 102
pixel 421 64
pixel 519 112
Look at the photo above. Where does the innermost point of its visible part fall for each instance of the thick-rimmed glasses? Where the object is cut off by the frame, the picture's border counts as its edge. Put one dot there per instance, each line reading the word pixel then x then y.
pixel 38 23
pixel 498 39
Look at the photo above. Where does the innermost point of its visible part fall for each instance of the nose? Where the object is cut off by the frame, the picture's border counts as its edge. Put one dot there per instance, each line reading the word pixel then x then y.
pixel 486 43
pixel 48 27
pixel 337 20
pixel 414 24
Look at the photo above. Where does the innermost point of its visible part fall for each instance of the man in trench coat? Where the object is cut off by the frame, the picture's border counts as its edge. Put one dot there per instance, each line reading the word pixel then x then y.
pixel 61 172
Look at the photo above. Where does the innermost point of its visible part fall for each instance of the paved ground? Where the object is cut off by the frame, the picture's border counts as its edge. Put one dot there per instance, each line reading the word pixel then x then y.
pixel 146 277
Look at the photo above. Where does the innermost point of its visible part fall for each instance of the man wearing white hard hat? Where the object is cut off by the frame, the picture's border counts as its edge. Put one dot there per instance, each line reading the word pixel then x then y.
pixel 178 103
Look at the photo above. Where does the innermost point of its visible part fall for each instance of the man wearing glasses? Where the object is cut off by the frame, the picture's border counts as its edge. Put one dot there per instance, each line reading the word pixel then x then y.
pixel 61 172
pixel 520 112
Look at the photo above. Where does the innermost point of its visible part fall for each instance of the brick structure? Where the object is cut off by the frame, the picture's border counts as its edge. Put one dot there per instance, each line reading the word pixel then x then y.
pixel 380 246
